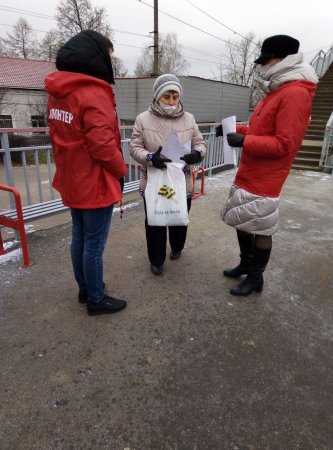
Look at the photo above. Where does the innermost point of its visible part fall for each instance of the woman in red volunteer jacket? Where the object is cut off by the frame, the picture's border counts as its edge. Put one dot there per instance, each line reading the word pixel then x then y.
pixel 87 151
pixel 270 143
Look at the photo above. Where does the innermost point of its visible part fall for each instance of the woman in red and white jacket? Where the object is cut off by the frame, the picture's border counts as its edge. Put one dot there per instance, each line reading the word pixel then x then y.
pixel 270 143
pixel 87 151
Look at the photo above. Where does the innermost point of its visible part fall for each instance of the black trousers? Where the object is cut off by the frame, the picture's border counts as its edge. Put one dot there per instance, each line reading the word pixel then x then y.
pixel 157 239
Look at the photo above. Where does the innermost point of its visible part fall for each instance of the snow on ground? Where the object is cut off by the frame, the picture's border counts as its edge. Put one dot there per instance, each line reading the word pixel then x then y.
pixel 12 255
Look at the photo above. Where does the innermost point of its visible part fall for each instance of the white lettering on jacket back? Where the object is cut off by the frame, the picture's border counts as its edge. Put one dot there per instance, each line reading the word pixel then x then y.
pixel 59 114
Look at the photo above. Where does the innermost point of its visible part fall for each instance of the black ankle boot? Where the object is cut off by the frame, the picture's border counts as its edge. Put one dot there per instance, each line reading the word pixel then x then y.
pixel 247 286
pixel 254 281
pixel 241 269
pixel 246 244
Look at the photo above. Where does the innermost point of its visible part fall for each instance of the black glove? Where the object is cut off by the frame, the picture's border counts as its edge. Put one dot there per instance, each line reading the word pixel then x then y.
pixel 219 131
pixel 122 182
pixel 235 139
pixel 192 158
pixel 158 160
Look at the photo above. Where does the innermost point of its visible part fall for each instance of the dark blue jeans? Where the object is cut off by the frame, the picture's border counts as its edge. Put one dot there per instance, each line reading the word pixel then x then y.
pixel 89 234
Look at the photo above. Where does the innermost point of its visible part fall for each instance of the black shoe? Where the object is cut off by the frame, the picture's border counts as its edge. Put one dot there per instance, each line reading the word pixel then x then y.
pixel 157 270
pixel 107 305
pixel 175 255
pixel 83 295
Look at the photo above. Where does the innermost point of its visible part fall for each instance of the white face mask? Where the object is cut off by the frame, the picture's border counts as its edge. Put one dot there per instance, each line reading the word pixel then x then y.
pixel 168 108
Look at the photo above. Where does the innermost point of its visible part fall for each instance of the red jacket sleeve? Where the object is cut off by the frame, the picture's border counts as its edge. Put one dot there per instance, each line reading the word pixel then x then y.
pixel 291 122
pixel 101 129
pixel 241 128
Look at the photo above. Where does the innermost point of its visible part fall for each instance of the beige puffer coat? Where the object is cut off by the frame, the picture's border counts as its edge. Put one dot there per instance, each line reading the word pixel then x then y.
pixel 151 130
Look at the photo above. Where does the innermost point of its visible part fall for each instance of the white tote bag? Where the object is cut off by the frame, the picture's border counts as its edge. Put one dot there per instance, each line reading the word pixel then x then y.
pixel 165 196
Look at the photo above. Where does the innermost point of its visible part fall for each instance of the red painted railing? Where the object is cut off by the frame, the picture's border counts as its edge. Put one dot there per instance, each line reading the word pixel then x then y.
pixel 16 224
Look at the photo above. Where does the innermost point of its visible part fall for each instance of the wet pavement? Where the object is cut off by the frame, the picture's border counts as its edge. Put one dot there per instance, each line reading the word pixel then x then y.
pixel 186 366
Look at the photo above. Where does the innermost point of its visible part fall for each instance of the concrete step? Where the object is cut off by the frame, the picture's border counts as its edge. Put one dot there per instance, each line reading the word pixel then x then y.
pixel 314 147
pixel 323 115
pixel 297 166
pixel 323 101
pixel 315 135
pixel 316 128
pixel 312 143
pixel 306 161
pixel 321 107
pixel 308 154
pixel 318 103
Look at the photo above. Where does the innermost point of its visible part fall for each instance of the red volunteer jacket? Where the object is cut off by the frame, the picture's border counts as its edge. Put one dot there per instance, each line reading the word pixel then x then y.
pixel 85 139
pixel 273 137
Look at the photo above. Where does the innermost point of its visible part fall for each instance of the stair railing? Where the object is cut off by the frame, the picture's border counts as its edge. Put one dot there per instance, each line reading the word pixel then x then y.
pixel 322 61
pixel 326 159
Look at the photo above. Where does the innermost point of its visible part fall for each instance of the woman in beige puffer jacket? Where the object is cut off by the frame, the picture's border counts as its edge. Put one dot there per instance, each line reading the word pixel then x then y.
pixel 152 128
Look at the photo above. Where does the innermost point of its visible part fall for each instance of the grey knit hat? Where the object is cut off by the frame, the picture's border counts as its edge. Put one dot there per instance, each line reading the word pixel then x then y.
pixel 165 83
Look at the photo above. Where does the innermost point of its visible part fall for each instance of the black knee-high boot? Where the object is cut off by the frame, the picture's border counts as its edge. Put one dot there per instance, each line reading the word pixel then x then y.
pixel 254 281
pixel 246 246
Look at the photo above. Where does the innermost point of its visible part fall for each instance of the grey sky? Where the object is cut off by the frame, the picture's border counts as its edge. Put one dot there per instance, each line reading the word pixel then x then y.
pixel 307 20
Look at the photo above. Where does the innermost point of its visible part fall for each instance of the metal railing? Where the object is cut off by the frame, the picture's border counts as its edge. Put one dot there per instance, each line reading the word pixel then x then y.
pixel 322 61
pixel 30 168
pixel 326 159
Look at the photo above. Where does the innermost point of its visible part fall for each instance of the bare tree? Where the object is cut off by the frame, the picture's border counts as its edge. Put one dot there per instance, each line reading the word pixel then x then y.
pixel 49 46
pixel 21 43
pixel 74 16
pixel 119 69
pixel 171 58
pixel 38 105
pixel 239 67
pixel 5 99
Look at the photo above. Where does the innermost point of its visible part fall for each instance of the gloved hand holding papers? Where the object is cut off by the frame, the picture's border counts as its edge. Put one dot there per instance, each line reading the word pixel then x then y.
pixel 173 149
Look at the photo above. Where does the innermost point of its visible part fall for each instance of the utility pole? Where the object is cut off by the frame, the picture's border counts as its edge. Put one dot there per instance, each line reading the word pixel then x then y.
pixel 156 52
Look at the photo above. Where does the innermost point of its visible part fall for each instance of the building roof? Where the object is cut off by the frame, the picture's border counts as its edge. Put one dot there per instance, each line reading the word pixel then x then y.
pixel 22 73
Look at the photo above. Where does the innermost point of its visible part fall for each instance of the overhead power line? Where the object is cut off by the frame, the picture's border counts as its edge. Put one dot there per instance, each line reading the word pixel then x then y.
pixel 189 25
pixel 28 13
pixel 221 23
pixel 32 29
pixel 131 32
pixel 128 45
pixel 142 35
pixel 215 55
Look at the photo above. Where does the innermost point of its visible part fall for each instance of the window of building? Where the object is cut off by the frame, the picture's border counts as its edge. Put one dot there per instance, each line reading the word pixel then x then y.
pixel 6 121
pixel 38 121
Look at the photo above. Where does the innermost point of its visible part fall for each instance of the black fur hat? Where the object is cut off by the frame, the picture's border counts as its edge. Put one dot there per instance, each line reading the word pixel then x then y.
pixel 278 46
